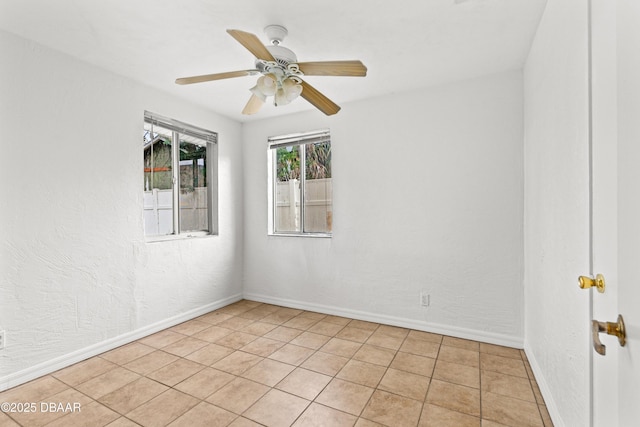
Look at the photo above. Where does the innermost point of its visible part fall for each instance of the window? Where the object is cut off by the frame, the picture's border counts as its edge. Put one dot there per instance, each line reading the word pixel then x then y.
pixel 302 189
pixel 180 185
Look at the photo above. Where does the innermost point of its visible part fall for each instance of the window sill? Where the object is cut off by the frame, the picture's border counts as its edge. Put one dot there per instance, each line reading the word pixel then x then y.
pixel 184 236
pixel 312 235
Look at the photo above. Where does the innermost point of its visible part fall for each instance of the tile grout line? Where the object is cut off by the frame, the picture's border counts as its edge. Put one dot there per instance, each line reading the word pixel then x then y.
pixel 480 380
pixel 430 379
pixel 385 371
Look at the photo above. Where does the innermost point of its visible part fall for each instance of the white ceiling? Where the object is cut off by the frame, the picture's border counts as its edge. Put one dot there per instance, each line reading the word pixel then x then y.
pixel 404 43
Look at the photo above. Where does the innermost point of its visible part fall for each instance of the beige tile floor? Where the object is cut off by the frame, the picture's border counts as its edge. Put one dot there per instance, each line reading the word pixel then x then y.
pixel 251 364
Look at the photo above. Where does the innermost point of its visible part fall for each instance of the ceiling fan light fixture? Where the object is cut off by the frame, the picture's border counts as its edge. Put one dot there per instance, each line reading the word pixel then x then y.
pixel 267 84
pixel 280 98
pixel 291 89
pixel 284 90
pixel 288 90
pixel 257 92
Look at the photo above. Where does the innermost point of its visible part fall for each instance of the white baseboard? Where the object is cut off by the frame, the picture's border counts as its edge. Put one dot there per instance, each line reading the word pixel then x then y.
pixel 471 334
pixel 544 388
pixel 60 362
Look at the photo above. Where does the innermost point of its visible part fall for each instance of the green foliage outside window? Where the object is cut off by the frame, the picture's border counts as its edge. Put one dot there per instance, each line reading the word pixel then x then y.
pixel 157 165
pixel 318 162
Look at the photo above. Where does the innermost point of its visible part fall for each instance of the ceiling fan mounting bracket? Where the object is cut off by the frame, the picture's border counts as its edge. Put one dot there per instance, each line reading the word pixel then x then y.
pixel 275 33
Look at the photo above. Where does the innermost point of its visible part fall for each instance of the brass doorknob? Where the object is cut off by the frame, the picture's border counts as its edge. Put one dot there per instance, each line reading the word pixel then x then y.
pixel 611 328
pixel 586 282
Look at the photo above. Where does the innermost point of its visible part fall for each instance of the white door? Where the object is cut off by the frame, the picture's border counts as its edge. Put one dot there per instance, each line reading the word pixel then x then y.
pixel 604 203
pixel 615 196
pixel 628 27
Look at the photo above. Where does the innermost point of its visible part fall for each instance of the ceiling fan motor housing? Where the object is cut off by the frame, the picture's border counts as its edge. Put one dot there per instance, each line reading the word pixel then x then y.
pixel 282 55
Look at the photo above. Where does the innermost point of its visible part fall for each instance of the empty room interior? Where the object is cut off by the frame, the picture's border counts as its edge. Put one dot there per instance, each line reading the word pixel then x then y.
pixel 214 275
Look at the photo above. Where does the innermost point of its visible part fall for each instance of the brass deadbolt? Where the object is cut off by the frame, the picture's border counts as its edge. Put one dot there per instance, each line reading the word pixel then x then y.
pixel 616 329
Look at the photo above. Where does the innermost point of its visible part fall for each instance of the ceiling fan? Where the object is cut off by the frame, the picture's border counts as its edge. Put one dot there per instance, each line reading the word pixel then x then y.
pixel 281 73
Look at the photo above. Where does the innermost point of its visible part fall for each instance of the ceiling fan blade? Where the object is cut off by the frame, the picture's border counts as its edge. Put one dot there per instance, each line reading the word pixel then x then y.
pixel 333 68
pixel 318 100
pixel 217 76
pixel 252 43
pixel 253 105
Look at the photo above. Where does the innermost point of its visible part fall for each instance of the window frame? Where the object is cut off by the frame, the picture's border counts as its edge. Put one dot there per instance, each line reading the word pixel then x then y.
pixel 299 139
pixel 210 138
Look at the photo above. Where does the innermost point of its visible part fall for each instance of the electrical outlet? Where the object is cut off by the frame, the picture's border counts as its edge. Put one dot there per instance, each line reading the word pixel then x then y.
pixel 2 340
pixel 425 299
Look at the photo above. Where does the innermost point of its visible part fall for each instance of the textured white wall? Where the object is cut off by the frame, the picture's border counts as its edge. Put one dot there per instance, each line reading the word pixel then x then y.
pixel 76 270
pixel 556 226
pixel 428 195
